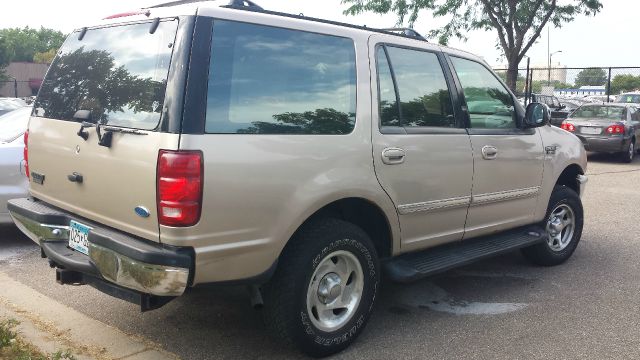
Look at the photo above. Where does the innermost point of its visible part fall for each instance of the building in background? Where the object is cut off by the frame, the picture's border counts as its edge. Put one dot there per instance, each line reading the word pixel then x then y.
pixel 558 73
pixel 28 78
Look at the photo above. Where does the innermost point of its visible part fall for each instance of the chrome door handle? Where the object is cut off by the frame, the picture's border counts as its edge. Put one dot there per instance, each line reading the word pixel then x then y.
pixel 393 156
pixel 489 152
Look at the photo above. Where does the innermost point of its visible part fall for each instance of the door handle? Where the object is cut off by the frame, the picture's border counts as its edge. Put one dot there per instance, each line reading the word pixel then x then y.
pixel 393 156
pixel 489 152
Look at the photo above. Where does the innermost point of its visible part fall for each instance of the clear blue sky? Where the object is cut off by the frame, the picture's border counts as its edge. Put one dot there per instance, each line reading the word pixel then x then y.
pixel 609 39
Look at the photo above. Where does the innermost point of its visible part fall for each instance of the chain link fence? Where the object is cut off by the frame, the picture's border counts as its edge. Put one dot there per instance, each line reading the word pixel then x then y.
pixel 592 83
pixel 16 88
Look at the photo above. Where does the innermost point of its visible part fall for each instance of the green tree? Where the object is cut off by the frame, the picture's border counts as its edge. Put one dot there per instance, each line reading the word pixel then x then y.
pixel 518 23
pixel 624 82
pixel 23 44
pixel 44 57
pixel 591 77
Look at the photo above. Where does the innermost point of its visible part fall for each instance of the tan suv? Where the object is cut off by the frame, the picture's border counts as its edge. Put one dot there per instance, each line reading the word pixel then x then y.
pixel 191 144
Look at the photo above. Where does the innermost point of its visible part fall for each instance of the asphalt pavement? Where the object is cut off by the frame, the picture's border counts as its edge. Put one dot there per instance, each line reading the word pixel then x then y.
pixel 502 308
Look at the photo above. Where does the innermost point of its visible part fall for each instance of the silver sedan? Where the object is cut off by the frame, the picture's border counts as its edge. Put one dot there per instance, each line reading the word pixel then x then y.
pixel 13 182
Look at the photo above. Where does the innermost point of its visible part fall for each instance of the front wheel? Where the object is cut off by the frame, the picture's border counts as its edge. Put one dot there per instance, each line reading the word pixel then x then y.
pixel 324 289
pixel 563 223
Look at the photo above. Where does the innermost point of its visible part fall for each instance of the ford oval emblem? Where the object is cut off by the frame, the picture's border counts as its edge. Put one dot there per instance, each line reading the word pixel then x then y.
pixel 142 211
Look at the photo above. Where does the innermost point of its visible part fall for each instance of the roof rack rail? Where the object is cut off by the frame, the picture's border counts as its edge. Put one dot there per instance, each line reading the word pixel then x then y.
pixel 172 3
pixel 406 32
pixel 244 4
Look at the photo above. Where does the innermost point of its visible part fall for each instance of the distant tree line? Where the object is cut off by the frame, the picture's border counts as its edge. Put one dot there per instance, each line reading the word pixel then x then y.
pixel 29 45
pixel 587 77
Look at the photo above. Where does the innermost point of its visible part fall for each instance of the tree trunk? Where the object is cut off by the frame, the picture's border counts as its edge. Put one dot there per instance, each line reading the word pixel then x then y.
pixel 512 75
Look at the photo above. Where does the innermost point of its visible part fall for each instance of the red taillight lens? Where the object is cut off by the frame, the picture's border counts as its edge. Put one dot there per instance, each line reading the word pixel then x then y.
pixel 179 187
pixel 25 153
pixel 615 129
pixel 568 126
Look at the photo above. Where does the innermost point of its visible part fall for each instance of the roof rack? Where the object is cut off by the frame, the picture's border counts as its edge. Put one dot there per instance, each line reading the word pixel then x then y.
pixel 406 32
pixel 249 5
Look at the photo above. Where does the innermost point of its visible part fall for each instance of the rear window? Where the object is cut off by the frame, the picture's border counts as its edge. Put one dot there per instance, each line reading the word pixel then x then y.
pixel 119 73
pixel 629 98
pixel 268 80
pixel 601 112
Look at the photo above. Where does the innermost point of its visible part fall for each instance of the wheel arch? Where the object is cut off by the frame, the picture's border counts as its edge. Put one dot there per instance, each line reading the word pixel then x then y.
pixel 363 213
pixel 569 177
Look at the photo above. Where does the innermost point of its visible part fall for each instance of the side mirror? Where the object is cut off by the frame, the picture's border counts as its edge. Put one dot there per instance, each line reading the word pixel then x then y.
pixel 537 115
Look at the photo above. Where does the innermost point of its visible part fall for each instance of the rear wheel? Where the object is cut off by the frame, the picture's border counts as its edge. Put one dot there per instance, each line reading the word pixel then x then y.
pixel 563 224
pixel 628 155
pixel 324 289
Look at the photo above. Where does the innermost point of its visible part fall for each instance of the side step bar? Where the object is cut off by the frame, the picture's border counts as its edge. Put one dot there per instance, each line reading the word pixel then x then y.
pixel 414 266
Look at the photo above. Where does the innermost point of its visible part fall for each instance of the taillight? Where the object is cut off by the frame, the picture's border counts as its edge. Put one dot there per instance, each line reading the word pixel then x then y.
pixel 568 126
pixel 179 186
pixel 615 129
pixel 25 153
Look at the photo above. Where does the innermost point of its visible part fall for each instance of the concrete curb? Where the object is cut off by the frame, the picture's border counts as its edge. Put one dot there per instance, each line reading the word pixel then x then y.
pixel 51 326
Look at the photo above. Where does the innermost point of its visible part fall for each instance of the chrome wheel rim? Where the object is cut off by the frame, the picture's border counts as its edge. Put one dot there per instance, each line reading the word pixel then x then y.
pixel 560 227
pixel 335 291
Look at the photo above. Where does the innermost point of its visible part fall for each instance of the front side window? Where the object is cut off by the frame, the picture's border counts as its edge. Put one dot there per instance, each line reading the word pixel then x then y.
pixel 268 80
pixel 425 100
pixel 119 73
pixel 490 104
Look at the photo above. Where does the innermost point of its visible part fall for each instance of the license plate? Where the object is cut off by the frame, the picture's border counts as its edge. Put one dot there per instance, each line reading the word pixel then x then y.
pixel 78 236
pixel 591 130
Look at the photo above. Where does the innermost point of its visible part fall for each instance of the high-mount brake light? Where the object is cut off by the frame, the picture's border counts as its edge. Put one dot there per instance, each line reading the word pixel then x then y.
pixel 129 13
pixel 25 153
pixel 179 187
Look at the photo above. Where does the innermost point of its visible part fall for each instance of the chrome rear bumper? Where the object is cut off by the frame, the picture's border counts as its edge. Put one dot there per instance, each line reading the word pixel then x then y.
pixel 114 257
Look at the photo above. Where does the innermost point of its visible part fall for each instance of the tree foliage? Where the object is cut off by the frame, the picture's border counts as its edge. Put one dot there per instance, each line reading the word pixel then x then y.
pixel 18 44
pixel 625 82
pixel 518 23
pixel 44 57
pixel 591 77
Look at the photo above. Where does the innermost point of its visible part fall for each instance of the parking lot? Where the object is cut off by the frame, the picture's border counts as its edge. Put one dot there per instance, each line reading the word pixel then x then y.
pixel 503 308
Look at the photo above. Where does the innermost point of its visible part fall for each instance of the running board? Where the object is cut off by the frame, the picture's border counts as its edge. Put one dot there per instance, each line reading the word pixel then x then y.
pixel 416 265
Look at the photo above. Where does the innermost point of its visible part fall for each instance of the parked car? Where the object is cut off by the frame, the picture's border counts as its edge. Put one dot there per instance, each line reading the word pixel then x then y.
pixel 236 145
pixel 10 104
pixel 13 183
pixel 559 112
pixel 629 98
pixel 611 128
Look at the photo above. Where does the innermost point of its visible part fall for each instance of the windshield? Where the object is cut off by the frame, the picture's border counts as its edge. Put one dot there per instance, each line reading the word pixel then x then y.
pixel 119 73
pixel 14 124
pixel 628 98
pixel 600 111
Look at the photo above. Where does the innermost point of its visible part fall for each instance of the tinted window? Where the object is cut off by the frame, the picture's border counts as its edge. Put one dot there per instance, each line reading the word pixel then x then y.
pixel 119 73
pixel 490 104
pixel 389 115
pixel 628 98
pixel 267 80
pixel 423 91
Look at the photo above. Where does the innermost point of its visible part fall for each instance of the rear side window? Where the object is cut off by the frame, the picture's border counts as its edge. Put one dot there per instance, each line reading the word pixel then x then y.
pixel 268 80
pixel 490 104
pixel 425 100
pixel 119 73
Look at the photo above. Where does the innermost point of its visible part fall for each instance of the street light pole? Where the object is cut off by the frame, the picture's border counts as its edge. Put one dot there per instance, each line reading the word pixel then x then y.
pixel 549 68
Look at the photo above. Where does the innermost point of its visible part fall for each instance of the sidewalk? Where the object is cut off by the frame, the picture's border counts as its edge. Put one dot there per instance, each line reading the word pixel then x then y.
pixel 51 326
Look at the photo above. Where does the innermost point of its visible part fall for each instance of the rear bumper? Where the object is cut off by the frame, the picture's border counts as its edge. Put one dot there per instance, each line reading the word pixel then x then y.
pixel 117 262
pixel 604 144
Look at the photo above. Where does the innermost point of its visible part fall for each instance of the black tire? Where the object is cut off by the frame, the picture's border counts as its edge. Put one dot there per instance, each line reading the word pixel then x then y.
pixel 544 253
pixel 627 156
pixel 285 296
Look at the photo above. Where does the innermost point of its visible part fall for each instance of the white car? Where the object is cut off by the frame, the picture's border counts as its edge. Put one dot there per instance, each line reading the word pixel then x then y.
pixel 13 182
